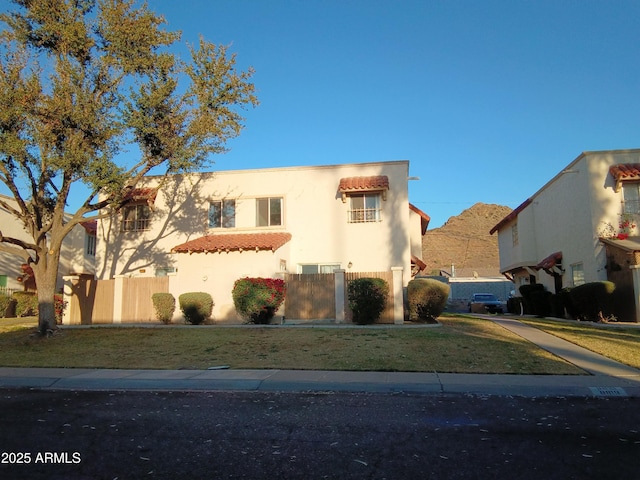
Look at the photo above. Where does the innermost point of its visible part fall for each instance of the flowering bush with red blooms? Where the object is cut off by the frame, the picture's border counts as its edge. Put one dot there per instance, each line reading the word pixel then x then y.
pixel 59 305
pixel 257 299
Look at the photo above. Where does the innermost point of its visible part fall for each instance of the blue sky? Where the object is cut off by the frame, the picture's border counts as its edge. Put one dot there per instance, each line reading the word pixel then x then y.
pixel 487 99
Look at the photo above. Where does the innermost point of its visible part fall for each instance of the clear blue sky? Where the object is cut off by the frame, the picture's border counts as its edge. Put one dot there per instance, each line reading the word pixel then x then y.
pixel 487 99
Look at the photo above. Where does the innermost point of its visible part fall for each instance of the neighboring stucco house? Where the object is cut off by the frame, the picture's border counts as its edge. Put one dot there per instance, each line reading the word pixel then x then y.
pixel 569 233
pixel 207 230
pixel 76 258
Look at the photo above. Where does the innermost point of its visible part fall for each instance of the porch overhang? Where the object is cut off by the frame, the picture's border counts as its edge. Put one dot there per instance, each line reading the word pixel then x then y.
pixel 234 242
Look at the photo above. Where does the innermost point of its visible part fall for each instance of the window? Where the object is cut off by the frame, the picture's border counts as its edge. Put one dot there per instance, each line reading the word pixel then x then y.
pixel 222 214
pixel 364 208
pixel 577 274
pixel 136 218
pixel 268 212
pixel 514 234
pixel 631 197
pixel 319 268
pixel 164 271
pixel 90 244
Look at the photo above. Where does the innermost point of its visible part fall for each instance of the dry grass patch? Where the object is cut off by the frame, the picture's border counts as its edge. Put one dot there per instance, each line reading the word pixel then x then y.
pixel 613 341
pixel 460 345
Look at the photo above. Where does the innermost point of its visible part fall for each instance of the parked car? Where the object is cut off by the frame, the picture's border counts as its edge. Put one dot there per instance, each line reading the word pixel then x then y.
pixel 485 302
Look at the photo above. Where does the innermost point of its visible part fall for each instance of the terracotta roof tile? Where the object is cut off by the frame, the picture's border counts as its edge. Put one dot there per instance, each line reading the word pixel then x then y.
pixel 141 194
pixel 351 184
pixel 624 171
pixel 550 261
pixel 234 242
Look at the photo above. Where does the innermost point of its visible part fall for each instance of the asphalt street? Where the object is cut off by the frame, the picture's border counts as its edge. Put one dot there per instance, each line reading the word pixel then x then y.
pixel 52 434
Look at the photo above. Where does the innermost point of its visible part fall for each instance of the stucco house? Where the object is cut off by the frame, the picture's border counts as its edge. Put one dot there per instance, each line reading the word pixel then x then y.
pixel 579 227
pixel 76 258
pixel 206 230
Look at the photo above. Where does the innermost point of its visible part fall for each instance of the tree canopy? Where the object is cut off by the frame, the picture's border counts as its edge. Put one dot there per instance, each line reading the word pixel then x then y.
pixel 81 81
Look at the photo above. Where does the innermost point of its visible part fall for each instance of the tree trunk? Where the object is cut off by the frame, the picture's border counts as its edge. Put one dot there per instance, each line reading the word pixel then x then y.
pixel 46 273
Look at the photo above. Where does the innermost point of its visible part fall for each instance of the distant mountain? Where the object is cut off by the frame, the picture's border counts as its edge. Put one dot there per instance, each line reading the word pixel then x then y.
pixel 464 242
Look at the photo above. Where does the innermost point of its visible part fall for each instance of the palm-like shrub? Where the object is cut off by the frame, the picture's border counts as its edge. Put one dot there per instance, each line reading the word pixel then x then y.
pixel 427 299
pixel 257 299
pixel 367 299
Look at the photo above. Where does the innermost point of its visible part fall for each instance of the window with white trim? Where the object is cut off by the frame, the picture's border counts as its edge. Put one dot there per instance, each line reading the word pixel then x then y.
pixel 631 197
pixel 318 267
pixel 90 244
pixel 268 212
pixel 514 234
pixel 222 214
pixel 577 274
pixel 364 208
pixel 136 218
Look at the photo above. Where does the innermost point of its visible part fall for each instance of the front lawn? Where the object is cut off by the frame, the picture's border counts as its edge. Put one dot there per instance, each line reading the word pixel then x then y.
pixel 460 345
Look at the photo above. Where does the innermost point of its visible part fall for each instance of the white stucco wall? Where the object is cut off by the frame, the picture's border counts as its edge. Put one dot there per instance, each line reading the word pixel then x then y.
pixel 566 215
pixel 313 213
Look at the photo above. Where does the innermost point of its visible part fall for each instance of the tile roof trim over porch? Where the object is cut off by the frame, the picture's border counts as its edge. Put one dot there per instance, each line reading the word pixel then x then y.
pixel 234 242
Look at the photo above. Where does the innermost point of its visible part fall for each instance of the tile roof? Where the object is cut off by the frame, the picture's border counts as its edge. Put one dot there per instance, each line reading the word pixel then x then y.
pixel 231 242
pixel 551 261
pixel 511 216
pixel 141 194
pixel 354 184
pixel 624 171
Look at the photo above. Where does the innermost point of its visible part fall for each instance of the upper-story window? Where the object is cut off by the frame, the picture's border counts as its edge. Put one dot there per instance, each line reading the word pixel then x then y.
pixel 364 207
pixel 514 234
pixel 222 214
pixel 631 197
pixel 90 244
pixel 136 218
pixel 268 212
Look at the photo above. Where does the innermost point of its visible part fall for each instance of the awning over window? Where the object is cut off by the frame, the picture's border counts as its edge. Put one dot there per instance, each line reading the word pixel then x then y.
pixel 234 242
pixel 376 183
pixel 550 262
pixel 91 226
pixel 147 195
pixel 625 172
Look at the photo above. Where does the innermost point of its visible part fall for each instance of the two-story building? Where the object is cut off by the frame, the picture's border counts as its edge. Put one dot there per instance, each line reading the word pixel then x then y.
pixel 207 230
pixel 573 230
pixel 76 257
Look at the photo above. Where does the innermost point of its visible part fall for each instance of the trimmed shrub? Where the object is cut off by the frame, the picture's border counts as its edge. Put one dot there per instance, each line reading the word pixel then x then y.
pixel 367 299
pixel 527 294
pixel 593 301
pixel 196 307
pixel 164 305
pixel 515 305
pixel 427 299
pixel 27 304
pixel 257 299
pixel 7 306
pixel 540 303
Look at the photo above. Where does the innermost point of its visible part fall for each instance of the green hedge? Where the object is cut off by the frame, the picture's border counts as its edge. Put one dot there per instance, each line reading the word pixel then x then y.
pixel 257 299
pixel 7 306
pixel 593 301
pixel 196 307
pixel 367 299
pixel 27 304
pixel 164 305
pixel 427 299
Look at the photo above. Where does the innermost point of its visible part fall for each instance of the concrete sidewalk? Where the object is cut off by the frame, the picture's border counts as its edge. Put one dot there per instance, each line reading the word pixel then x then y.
pixel 603 377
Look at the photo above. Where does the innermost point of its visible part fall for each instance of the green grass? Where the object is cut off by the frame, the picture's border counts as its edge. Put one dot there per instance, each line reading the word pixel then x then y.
pixel 460 345
pixel 616 342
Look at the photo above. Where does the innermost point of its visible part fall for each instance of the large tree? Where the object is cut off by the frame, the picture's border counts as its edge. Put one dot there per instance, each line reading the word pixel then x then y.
pixel 83 80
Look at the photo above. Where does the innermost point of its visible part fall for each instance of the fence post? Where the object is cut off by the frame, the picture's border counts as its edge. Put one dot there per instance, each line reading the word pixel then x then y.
pixel 118 287
pixel 339 295
pixel 398 296
pixel 67 297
